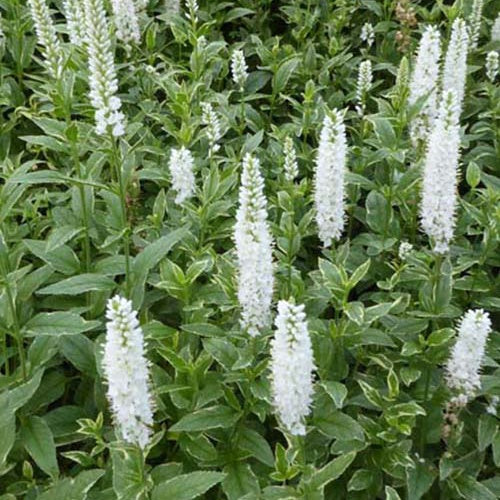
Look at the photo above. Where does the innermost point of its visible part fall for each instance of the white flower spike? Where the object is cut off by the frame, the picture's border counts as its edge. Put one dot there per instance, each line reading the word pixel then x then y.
pixel 475 22
pixel 254 249
pixel 239 69
pixel 290 166
pixel 492 63
pixel 439 183
pixel 292 367
pixel 126 22
pixel 127 373
pixel 455 65
pixel 364 85
pixel 73 12
pixel 464 366
pixel 47 37
pixel 210 119
pixel 424 82
pixel 181 169
pixel 102 80
pixel 329 179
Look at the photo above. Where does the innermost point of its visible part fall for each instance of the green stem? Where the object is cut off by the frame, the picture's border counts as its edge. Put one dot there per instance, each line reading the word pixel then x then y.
pixel 426 396
pixel 17 329
pixel 117 165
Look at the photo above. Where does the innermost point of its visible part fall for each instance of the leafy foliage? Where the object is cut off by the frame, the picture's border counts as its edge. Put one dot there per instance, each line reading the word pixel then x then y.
pixel 84 217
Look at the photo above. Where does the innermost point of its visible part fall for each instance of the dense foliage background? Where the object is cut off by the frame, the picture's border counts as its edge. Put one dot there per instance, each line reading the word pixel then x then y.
pixel 381 325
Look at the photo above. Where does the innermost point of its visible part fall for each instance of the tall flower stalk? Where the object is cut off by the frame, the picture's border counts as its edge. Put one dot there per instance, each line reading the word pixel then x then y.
pixel 126 22
pixel 254 250
pixel 181 170
pixel 329 179
pixel 439 184
pixel 127 373
pixel 475 19
pixel 102 80
pixel 73 11
pixel 290 165
pixel 47 37
pixel 424 83
pixel 455 65
pixel 292 366
pixel 364 85
pixel 463 367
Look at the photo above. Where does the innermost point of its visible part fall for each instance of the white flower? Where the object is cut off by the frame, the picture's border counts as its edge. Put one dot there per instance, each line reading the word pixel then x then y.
pixel 181 168
pixel 254 250
pixel 211 120
pixel 367 34
pixel 439 184
pixel 405 250
pixel 239 69
pixel 492 65
pixel 141 4
pixel 475 22
pixel 126 370
pixel 73 11
pixel 495 29
pixel 47 37
pixel 492 407
pixel 364 84
pixel 463 367
pixel 329 178
pixel 126 21
pixel 424 82
pixel 455 65
pixel 192 6
pixel 292 366
pixel 290 166
pixel 102 80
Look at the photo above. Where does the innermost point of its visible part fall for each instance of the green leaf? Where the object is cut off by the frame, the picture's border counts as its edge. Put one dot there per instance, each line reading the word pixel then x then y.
pixel 149 258
pixel 62 258
pixel 486 431
pixel 330 471
pixel 284 73
pixel 204 330
pixel 205 419
pixel 187 486
pixel 58 323
pixel 77 285
pixel 338 425
pixel 391 494
pixel 73 488
pixel 240 481
pixel 336 391
pixel 378 212
pixel 7 433
pixel 79 351
pixel 419 479
pixel 38 440
pixel 470 489
pixel 255 444
pixel 128 480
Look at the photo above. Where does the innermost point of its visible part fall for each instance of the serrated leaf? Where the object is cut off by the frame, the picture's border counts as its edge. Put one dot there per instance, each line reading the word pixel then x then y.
pixel 38 440
pixel 251 441
pixel 77 285
pixel 330 471
pixel 187 486
pixel 58 323
pixel 205 419
pixel 149 258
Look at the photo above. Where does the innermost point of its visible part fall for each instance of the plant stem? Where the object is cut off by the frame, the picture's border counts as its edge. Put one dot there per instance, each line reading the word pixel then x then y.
pixel 17 329
pixel 117 165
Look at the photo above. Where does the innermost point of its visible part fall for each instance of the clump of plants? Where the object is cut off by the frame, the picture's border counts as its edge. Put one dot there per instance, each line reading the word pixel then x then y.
pixel 249 250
